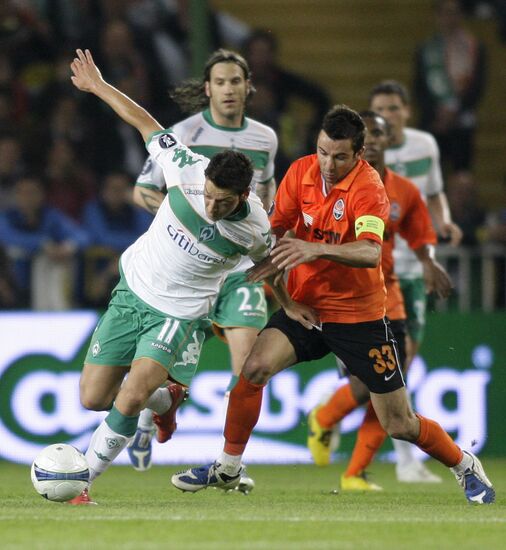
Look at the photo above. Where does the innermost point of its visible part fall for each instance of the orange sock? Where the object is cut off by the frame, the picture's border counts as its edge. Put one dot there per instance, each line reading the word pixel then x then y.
pixel 437 443
pixel 242 415
pixel 370 437
pixel 337 407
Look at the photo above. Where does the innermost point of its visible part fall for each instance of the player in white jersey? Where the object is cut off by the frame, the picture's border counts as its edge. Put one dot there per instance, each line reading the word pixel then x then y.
pixel 153 328
pixel 415 155
pixel 240 311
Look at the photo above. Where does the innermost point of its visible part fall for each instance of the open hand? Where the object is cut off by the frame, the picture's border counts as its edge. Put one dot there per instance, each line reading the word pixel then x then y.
pixel 86 74
pixel 437 279
pixel 290 253
pixel 262 270
pixel 304 314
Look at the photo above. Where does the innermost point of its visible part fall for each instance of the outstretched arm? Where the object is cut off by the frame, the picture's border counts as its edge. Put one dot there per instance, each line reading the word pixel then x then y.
pixel 438 207
pixel 435 276
pixel 87 78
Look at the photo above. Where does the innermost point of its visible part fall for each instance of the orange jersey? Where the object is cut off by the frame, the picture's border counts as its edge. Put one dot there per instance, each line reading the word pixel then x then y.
pixel 340 294
pixel 410 218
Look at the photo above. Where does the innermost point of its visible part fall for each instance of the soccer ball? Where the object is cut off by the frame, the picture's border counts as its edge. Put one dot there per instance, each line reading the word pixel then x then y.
pixel 60 472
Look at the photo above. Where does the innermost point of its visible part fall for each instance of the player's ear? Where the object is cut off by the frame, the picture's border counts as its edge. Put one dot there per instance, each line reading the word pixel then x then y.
pixel 245 194
pixel 248 87
pixel 360 152
pixel 207 88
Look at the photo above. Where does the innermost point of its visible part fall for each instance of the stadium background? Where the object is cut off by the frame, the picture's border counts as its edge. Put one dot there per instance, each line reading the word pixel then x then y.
pixel 460 377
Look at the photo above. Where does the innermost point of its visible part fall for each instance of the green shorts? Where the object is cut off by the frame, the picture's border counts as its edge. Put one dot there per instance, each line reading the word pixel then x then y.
pixel 131 329
pixel 415 302
pixel 240 304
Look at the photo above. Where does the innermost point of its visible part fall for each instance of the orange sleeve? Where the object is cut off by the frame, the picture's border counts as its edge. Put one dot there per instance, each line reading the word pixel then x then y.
pixel 286 209
pixel 372 201
pixel 416 227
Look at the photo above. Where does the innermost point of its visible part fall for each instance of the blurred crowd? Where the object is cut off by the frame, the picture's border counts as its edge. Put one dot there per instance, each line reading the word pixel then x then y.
pixel 67 164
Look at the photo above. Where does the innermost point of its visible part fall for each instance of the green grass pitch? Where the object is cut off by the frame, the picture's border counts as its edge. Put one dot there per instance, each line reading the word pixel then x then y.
pixel 291 507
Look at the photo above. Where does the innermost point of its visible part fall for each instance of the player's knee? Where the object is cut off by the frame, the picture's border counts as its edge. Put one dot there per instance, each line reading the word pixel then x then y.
pixel 359 390
pixel 92 401
pixel 257 370
pixel 401 427
pixel 133 398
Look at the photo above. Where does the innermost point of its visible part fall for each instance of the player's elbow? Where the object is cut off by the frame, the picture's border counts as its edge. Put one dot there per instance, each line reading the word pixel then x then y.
pixel 372 255
pixel 137 197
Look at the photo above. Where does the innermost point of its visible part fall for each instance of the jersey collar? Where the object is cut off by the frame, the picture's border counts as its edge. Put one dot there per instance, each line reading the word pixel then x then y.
pixel 209 119
pixel 240 214
pixel 314 177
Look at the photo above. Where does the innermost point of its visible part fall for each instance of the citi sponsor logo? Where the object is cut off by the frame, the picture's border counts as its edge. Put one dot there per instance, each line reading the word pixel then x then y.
pixel 328 236
pixel 186 244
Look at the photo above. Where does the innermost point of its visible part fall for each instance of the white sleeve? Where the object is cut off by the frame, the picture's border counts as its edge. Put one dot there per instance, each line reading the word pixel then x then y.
pixel 268 171
pixel 179 164
pixel 435 176
pixel 151 175
pixel 263 242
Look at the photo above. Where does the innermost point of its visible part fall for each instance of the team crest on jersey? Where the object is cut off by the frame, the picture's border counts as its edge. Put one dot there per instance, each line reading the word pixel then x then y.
pixel 166 141
pixel 395 211
pixel 338 209
pixel 207 233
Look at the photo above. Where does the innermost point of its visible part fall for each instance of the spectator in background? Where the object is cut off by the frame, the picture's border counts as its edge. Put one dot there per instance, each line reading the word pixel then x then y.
pixel 449 82
pixel 117 146
pixel 72 21
pixel 70 183
pixel 113 224
pixel 12 166
pixel 112 220
pixel 8 287
pixel 13 91
pixel 260 50
pixel 43 244
pixel 26 39
pixel 466 209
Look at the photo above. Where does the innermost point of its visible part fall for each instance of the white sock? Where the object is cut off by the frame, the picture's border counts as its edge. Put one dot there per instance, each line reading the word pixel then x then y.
pixel 105 446
pixel 465 464
pixel 230 464
pixel 404 453
pixel 159 401
pixel 146 420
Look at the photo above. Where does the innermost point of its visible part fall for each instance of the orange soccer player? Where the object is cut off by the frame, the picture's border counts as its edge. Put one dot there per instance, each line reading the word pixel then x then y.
pixel 410 218
pixel 337 205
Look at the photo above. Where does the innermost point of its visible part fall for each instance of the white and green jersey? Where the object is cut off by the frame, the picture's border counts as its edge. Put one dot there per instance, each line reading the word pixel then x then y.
pixel 200 133
pixel 203 136
pixel 179 264
pixel 418 160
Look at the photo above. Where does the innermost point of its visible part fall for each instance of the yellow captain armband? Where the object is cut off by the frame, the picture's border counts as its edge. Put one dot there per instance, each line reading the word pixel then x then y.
pixel 369 224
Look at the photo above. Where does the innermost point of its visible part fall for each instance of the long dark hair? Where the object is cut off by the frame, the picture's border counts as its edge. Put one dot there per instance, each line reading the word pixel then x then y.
pixel 191 94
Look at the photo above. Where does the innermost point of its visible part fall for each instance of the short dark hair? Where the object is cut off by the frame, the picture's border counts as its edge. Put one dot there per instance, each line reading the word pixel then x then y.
pixel 368 113
pixel 390 87
pixel 230 170
pixel 341 122
pixel 191 94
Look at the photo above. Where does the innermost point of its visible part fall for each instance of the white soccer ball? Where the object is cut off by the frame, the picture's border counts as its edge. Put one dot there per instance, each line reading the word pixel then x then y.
pixel 60 472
